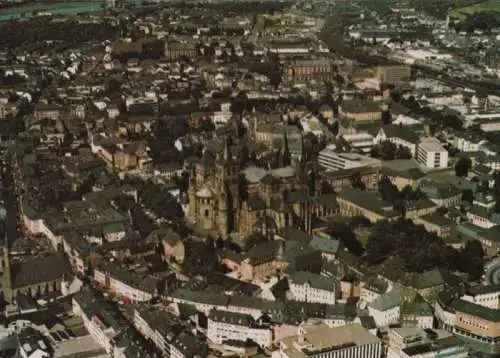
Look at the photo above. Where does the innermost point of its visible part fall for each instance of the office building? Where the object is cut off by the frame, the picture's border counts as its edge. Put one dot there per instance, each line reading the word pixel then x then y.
pixel 321 341
pixel 431 154
pixel 337 161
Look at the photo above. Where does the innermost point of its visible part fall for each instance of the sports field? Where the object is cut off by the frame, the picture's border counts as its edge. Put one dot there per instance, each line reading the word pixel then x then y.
pixel 462 12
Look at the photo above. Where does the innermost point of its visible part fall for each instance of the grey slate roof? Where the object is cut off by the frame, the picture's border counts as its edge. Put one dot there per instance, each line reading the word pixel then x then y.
pixel 40 269
pixel 314 280
pixel 324 244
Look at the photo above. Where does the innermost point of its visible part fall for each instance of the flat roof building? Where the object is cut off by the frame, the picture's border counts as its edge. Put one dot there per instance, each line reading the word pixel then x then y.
pixel 322 341
pixel 336 161
pixel 431 154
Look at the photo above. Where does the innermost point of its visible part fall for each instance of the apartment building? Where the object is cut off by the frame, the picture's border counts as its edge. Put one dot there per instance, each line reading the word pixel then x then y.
pixel 486 296
pixel 431 154
pixel 224 326
pixel 310 287
pixel 128 285
pixel 386 309
pixel 477 322
pixel 100 319
pixel 157 326
pixel 393 74
pixel 473 322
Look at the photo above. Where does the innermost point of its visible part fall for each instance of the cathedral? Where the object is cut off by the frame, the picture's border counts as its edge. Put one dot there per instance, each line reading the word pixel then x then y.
pixel 228 198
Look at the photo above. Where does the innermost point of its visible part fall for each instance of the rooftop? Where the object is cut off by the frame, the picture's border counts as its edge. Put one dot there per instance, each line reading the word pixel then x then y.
pixel 431 144
pixel 321 338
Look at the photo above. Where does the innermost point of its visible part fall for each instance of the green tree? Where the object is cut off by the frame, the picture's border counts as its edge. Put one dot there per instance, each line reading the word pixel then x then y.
pixel 496 191
pixel 468 196
pixel 357 182
pixel 386 117
pixel 403 153
pixel 462 167
pixel 347 236
pixel 472 259
pixel 388 191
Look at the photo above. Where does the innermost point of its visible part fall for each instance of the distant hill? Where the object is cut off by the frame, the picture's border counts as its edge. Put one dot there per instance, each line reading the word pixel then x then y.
pixel 483 6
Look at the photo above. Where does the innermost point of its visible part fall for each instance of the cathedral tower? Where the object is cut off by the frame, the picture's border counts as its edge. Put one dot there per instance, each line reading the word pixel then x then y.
pixel 227 187
pixel 284 155
pixel 192 195
pixel 223 213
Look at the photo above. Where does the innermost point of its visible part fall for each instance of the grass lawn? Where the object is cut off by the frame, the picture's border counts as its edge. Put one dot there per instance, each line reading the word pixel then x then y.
pixel 462 12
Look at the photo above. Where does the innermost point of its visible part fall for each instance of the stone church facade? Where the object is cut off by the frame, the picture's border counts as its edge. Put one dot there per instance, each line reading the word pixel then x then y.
pixel 227 198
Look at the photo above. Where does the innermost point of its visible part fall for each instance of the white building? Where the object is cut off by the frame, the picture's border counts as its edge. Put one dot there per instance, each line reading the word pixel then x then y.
pixel 486 296
pixel 431 154
pixel 466 143
pixel 400 136
pixel 226 326
pixel 336 161
pixel 405 120
pixel 444 316
pixel 207 301
pixel 321 341
pixel 359 141
pixel 372 288
pixel 126 284
pixel 310 287
pixel 98 319
pixel 386 309
pixel 419 343
pixel 33 344
pixel 156 325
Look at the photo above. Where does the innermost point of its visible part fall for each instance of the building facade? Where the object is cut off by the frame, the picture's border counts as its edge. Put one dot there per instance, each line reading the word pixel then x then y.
pixel 332 160
pixel 226 326
pixel 226 198
pixel 321 341
pixel 431 154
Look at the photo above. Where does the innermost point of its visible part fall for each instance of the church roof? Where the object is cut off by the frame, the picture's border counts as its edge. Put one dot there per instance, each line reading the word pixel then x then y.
pixel 285 172
pixel 40 270
pixel 205 192
pixel 255 174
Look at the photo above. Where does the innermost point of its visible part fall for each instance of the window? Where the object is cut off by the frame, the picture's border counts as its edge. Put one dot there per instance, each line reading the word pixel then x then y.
pixel 207 213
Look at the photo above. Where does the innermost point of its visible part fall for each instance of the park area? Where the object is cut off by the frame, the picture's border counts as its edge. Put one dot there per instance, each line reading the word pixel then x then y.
pixel 461 13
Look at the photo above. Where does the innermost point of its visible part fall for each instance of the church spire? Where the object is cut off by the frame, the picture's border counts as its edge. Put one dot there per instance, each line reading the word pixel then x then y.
pixel 284 158
pixel 302 150
pixel 226 155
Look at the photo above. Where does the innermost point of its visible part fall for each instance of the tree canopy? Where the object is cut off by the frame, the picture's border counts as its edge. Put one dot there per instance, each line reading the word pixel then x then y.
pixel 462 167
pixel 420 250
